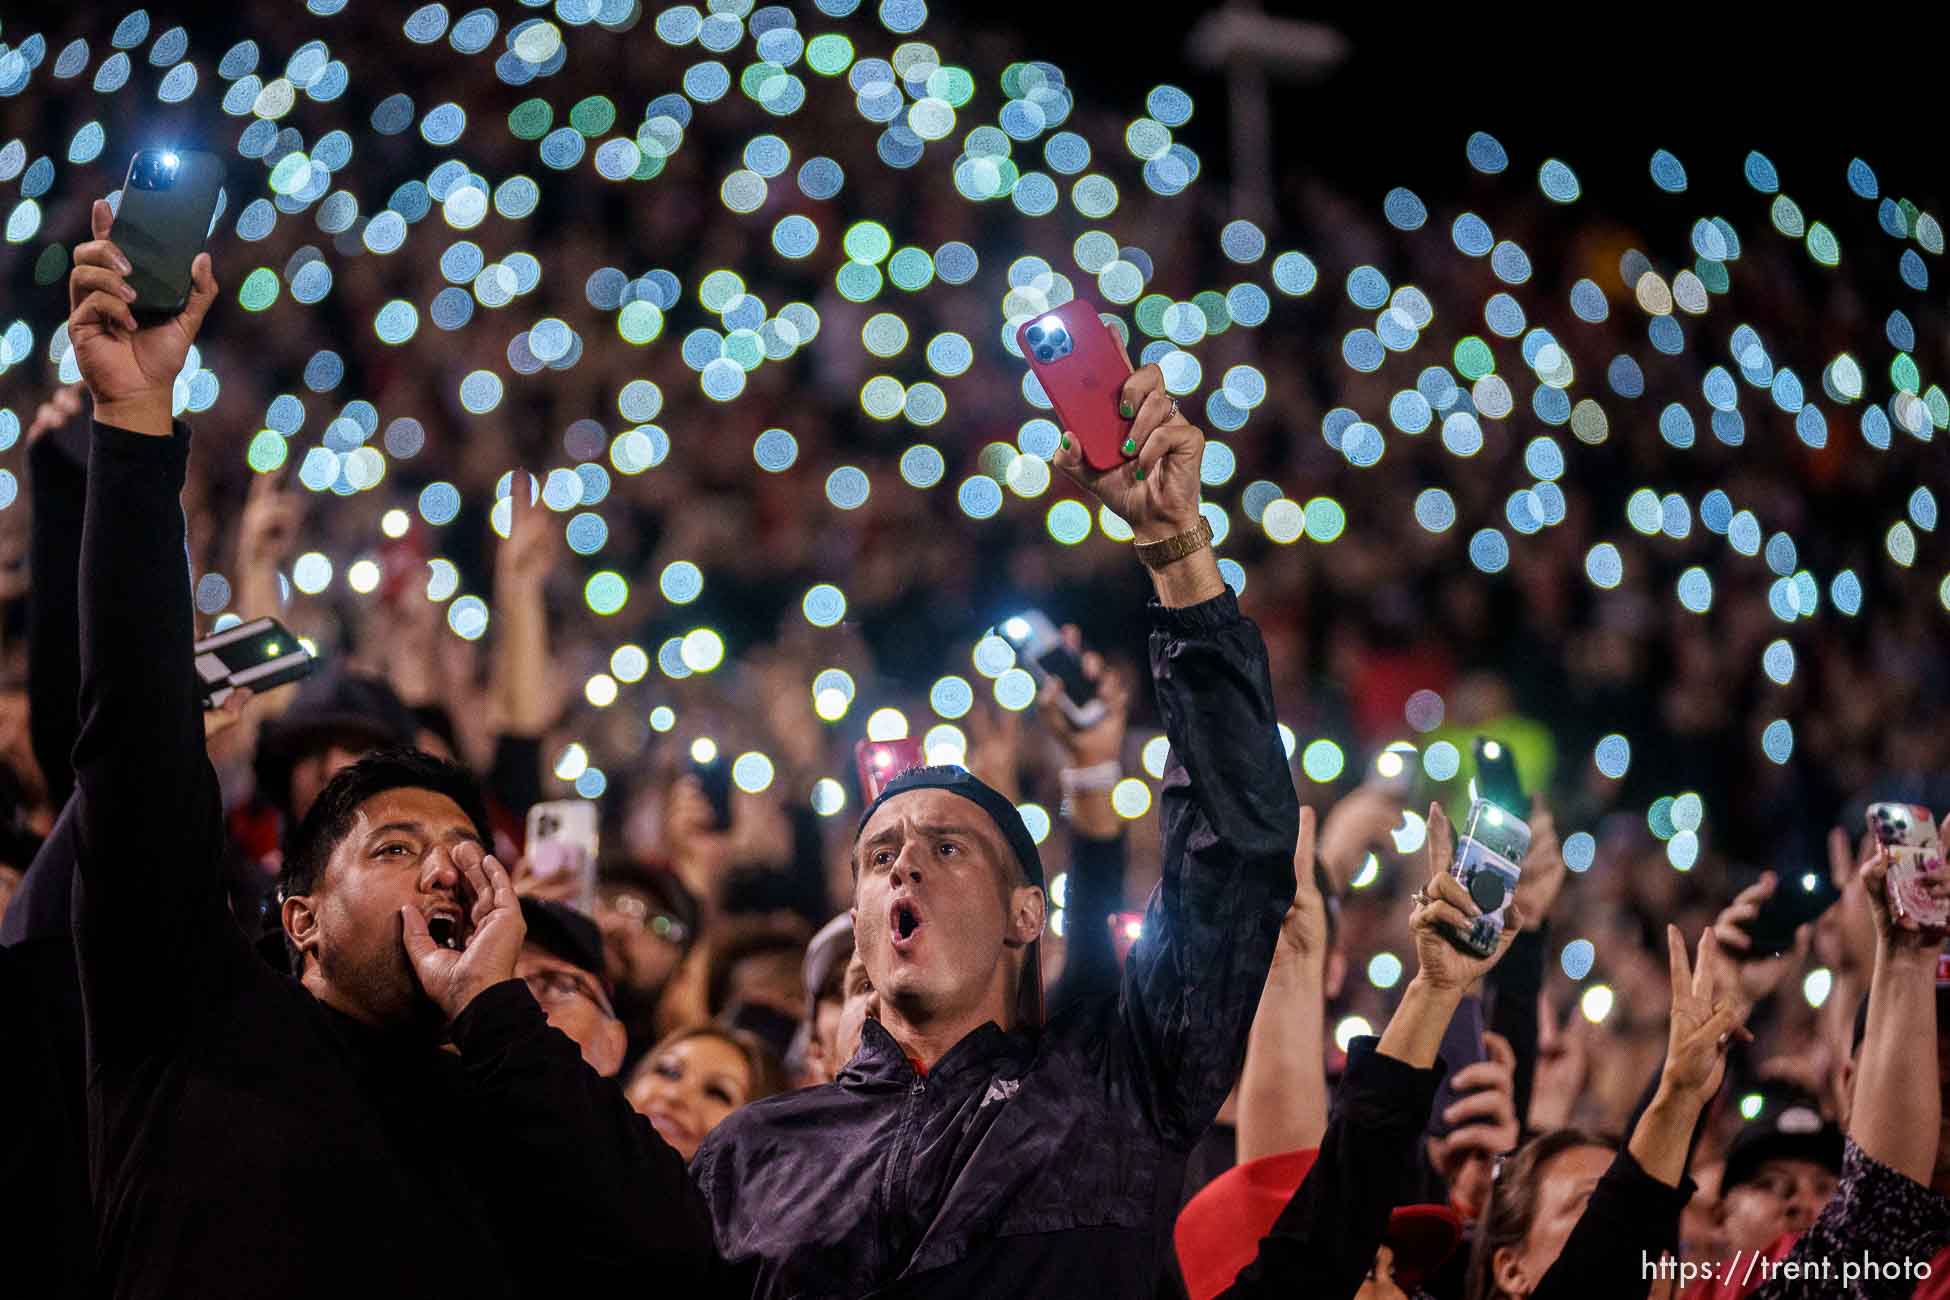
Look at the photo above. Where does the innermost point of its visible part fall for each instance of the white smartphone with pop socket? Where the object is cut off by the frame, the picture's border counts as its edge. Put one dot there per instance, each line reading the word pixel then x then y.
pixel 1043 653
pixel 562 845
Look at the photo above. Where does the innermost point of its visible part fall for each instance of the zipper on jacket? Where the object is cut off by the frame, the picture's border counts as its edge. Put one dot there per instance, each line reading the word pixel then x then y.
pixel 895 1242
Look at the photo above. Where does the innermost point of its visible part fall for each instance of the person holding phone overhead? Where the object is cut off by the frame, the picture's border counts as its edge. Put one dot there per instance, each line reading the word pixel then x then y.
pixel 967 1149
pixel 251 1133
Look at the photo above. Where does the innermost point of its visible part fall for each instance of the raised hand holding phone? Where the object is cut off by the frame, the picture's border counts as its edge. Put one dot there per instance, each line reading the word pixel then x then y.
pixel 1756 976
pixel 129 368
pixel 1157 491
pixel 1444 908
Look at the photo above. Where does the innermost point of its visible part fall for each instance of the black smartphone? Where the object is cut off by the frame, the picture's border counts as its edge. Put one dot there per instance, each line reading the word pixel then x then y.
pixel 1044 654
pixel 259 654
pixel 1496 777
pixel 1796 900
pixel 168 201
pixel 714 775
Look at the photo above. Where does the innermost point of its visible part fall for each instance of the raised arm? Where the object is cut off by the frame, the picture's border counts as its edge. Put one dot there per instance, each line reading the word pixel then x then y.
pixel 1283 1088
pixel 57 460
pixel 1092 759
pixel 1886 1209
pixel 1898 1105
pixel 1633 1213
pixel 519 673
pixel 150 823
pixel 1324 1241
pixel 1228 810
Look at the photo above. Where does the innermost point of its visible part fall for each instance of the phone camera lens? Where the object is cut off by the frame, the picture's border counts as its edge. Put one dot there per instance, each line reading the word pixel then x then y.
pixel 1046 354
pixel 1035 334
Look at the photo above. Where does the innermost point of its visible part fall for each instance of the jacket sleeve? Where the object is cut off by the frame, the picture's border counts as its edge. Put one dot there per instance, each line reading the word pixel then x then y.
pixel 151 928
pixel 60 487
pixel 1516 981
pixel 1630 1219
pixel 1324 1242
pixel 1095 889
pixel 1875 1214
pixel 1230 819
pixel 580 1177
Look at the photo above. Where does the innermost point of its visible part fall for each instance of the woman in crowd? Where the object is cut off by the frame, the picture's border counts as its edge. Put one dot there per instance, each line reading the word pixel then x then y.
pixel 694 1078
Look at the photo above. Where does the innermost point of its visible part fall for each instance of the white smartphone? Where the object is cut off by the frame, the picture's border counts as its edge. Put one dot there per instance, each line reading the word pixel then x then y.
pixel 259 654
pixel 562 846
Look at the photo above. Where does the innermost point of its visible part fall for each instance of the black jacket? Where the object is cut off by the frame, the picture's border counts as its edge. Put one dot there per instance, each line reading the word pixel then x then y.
pixel 246 1140
pixel 1324 1242
pixel 40 996
pixel 1047 1163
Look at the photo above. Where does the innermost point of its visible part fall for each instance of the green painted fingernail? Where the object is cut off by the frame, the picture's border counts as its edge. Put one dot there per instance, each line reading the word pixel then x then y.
pixel 1066 442
pixel 1140 476
pixel 1130 446
pixel 1124 409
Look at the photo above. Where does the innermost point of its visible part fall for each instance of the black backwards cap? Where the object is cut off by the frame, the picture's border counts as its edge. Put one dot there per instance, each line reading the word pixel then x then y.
pixel 961 781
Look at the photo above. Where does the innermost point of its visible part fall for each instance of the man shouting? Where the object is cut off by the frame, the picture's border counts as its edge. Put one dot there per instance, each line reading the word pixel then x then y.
pixel 969 1149
pixel 257 1134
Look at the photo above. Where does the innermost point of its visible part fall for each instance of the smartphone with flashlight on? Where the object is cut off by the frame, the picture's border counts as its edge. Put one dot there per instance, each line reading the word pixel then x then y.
pixel 1496 777
pixel 1796 901
pixel 563 840
pixel 168 206
pixel 1041 649
pixel 1082 368
pixel 880 761
pixel 1489 862
pixel 1917 885
pixel 713 774
pixel 1393 772
pixel 259 654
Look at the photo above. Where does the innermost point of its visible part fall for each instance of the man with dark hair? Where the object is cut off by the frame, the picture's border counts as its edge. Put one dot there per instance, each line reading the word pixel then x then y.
pixel 253 1134
pixel 969 1148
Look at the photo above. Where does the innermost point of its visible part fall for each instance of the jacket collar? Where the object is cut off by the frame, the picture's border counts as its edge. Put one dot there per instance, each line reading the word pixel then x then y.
pixel 981 1053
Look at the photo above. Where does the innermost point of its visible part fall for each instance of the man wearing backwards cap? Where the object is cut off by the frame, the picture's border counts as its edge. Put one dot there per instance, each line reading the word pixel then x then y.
pixel 968 1149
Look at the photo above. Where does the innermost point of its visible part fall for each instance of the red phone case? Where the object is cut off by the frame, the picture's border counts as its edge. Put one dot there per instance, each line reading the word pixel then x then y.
pixel 880 761
pixel 1087 385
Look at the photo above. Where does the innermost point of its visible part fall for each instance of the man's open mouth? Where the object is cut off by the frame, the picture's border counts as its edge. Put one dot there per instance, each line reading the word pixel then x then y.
pixel 444 925
pixel 904 921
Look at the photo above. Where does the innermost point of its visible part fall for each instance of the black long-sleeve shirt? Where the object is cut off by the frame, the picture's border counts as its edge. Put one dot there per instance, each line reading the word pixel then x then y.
pixel 1324 1242
pixel 1047 1163
pixel 40 996
pixel 1631 1218
pixel 245 1139
pixel 59 479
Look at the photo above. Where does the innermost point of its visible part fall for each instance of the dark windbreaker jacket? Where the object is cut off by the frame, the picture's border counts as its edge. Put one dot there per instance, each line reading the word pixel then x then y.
pixel 1046 1163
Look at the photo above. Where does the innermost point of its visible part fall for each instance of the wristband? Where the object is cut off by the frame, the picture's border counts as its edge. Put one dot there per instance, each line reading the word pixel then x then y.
pixel 1090 780
pixel 1169 550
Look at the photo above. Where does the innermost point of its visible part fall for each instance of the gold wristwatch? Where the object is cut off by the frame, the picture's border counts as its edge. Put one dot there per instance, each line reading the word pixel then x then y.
pixel 1169 550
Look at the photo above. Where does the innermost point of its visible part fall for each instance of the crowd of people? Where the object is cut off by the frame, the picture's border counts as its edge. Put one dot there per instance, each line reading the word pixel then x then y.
pixel 398 1056
pixel 278 1010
